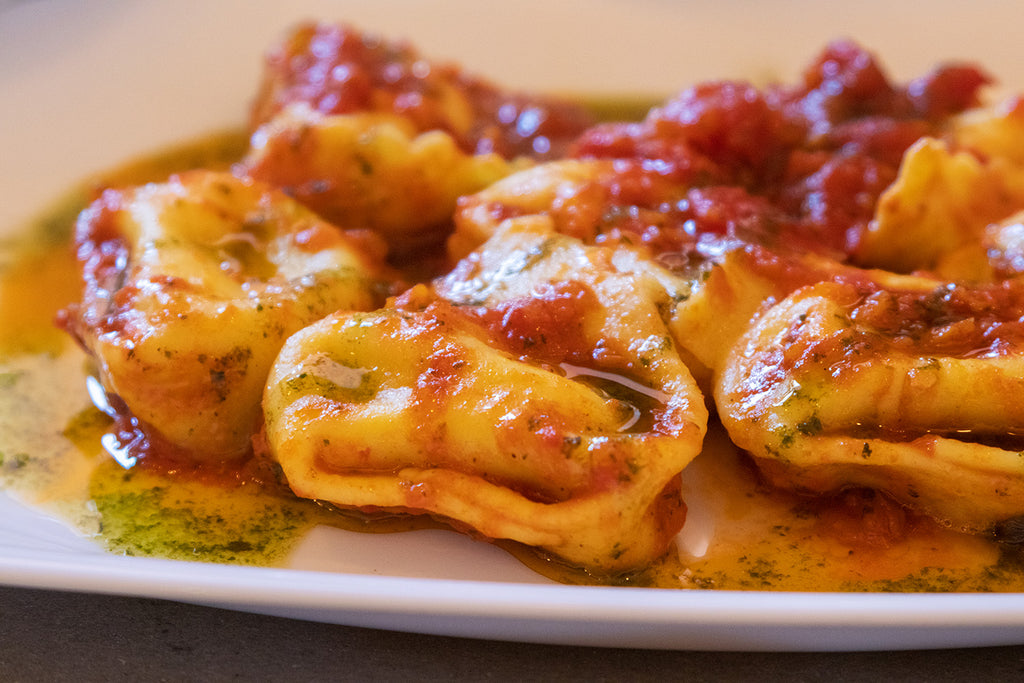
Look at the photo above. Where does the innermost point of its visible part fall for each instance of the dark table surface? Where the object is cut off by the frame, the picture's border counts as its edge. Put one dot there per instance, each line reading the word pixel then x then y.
pixel 56 636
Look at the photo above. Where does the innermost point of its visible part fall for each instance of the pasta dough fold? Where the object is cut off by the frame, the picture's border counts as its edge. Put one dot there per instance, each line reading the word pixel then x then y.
pixel 370 171
pixel 534 396
pixel 910 391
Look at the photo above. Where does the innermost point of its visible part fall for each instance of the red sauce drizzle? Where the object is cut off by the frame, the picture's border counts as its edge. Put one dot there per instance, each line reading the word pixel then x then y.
pixel 548 326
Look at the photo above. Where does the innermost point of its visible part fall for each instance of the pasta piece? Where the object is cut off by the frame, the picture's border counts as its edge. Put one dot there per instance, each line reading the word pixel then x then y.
pixel 191 288
pixel 536 397
pixel 914 391
pixel 566 191
pixel 728 294
pixel 610 202
pixel 744 281
pixel 370 171
pixel 940 203
pixel 949 189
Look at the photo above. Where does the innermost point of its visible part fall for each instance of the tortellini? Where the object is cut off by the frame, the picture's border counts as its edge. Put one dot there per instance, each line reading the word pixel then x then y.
pixel 191 288
pixel 912 391
pixel 370 171
pixel 534 396
pixel 934 216
pixel 941 202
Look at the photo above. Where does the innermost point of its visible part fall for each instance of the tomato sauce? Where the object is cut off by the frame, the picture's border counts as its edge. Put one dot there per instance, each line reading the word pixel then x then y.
pixel 951 320
pixel 547 326
pixel 800 165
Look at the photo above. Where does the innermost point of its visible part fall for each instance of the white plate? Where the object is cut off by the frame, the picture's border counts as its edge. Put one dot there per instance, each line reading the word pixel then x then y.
pixel 85 84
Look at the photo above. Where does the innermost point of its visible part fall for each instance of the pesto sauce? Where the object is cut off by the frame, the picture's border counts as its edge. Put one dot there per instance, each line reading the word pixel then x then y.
pixel 158 515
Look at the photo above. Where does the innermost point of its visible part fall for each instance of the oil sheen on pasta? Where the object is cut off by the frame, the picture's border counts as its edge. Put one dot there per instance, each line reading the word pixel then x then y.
pixel 739 535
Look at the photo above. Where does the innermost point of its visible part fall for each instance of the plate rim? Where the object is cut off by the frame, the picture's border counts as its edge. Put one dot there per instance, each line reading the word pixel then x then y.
pixel 593 612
